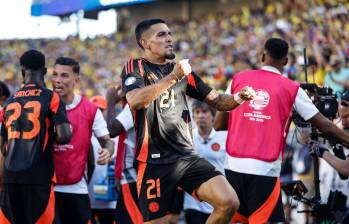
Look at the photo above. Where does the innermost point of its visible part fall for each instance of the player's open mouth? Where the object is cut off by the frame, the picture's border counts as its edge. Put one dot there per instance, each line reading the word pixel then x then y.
pixel 169 47
pixel 57 89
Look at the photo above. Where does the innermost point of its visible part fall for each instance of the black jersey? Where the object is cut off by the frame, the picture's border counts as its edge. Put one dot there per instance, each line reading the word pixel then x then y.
pixel 163 129
pixel 28 125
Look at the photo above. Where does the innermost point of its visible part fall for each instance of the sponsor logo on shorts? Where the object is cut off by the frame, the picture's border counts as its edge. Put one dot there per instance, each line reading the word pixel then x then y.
pixel 154 206
pixel 215 147
pixel 154 156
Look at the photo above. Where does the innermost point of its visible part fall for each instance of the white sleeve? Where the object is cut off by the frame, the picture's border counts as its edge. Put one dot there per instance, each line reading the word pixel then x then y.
pixel 304 106
pixel 125 118
pixel 115 140
pixel 228 90
pixel 99 126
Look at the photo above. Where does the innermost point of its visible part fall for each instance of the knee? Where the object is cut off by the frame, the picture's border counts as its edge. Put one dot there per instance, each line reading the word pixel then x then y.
pixel 228 205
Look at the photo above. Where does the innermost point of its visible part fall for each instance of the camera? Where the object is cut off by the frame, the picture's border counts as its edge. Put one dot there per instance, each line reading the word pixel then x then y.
pixel 327 104
pixel 324 100
pixel 336 200
pixel 333 210
pixel 294 189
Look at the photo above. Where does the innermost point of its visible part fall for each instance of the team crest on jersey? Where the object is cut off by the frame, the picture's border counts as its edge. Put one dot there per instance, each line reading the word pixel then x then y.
pixel 130 80
pixel 215 146
pixel 154 206
pixel 261 100
pixel 152 76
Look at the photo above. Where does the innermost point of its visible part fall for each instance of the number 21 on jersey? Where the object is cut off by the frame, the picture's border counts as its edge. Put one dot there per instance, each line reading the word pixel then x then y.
pixel 153 188
pixel 167 99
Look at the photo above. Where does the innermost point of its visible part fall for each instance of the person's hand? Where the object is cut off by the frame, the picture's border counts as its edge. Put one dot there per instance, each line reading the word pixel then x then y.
pixel 247 93
pixel 182 69
pixel 318 150
pixel 114 94
pixel 103 156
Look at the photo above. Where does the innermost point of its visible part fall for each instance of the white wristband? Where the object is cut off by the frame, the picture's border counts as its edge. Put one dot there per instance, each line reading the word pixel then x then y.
pixel 238 99
pixel 185 66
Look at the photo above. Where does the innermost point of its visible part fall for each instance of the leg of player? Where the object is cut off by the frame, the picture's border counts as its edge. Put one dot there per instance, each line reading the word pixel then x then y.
pixel 162 220
pixel 221 196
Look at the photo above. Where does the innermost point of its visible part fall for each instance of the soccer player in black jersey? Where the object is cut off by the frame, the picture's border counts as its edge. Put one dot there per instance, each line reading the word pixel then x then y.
pixel 156 91
pixel 33 117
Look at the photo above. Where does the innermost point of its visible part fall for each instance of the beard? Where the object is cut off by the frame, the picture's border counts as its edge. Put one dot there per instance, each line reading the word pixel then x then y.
pixel 170 56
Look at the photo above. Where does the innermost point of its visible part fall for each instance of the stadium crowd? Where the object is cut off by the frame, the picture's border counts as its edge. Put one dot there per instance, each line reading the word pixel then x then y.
pixel 217 45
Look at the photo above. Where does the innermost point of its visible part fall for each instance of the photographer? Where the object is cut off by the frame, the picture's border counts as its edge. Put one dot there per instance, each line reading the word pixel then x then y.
pixel 342 166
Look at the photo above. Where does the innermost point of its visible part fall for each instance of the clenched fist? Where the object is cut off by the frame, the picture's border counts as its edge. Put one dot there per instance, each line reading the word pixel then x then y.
pixel 247 93
pixel 182 69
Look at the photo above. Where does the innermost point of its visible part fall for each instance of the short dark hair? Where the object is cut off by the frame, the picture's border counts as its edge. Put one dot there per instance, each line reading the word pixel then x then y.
pixel 70 62
pixel 276 48
pixel 198 104
pixel 144 26
pixel 32 60
pixel 4 90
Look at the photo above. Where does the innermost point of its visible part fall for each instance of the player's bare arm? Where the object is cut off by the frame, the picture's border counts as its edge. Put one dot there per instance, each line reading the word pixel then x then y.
pixel 142 97
pixel 63 133
pixel 227 102
pixel 106 151
pixel 114 96
pixel 340 165
pixel 329 129
pixel 115 127
pixel 221 121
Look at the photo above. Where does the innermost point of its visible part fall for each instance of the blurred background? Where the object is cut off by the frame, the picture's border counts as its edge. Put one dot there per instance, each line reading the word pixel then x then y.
pixel 221 37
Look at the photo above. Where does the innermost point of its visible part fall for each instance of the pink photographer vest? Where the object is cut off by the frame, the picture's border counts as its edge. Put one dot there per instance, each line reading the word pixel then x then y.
pixel 70 159
pixel 258 129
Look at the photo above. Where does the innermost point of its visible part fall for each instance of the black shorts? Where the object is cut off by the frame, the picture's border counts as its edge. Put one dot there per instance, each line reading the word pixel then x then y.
pixel 177 203
pixel 157 184
pixel 72 208
pixel 193 216
pixel 260 197
pixel 27 204
pixel 103 216
pixel 127 207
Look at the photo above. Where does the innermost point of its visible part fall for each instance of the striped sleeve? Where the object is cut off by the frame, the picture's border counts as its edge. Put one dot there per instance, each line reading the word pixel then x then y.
pixel 132 75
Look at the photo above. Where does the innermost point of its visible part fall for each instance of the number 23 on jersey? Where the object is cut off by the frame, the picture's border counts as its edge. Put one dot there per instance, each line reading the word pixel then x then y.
pixel 32 109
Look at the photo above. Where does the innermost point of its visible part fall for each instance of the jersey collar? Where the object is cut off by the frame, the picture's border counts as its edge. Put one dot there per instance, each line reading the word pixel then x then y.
pixel 76 101
pixel 213 132
pixel 271 69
